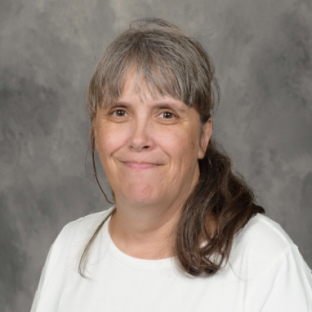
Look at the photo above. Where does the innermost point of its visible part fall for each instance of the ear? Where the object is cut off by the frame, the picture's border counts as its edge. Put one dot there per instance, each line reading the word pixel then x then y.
pixel 205 138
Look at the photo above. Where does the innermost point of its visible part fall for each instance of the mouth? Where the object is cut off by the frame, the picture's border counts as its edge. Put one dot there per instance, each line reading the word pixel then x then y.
pixel 140 165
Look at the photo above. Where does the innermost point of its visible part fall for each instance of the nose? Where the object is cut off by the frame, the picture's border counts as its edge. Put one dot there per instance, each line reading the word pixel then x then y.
pixel 140 136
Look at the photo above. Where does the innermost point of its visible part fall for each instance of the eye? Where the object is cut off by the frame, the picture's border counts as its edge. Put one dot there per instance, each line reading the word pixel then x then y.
pixel 167 115
pixel 119 113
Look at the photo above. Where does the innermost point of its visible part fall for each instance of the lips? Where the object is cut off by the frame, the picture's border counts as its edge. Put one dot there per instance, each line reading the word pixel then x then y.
pixel 138 165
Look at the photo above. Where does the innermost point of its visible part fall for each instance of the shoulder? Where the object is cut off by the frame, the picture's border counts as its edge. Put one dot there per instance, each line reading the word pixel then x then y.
pixel 85 225
pixel 277 276
pixel 82 228
pixel 258 245
pixel 262 232
pixel 75 235
pixel 66 250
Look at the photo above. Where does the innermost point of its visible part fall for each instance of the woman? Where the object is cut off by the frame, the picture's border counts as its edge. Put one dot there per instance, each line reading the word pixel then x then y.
pixel 185 233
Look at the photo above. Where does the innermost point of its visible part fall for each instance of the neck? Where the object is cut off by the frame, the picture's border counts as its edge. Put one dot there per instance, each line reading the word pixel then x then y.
pixel 145 232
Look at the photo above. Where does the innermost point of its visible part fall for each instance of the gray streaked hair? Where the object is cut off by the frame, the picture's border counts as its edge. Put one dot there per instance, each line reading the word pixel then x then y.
pixel 165 59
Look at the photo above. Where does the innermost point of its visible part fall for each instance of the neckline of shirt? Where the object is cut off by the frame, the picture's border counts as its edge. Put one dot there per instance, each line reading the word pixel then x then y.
pixel 132 261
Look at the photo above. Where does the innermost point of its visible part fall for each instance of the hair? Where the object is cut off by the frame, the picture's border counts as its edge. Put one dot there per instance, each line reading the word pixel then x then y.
pixel 170 62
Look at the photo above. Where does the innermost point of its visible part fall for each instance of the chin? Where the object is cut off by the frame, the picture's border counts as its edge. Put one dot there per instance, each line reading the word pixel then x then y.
pixel 141 195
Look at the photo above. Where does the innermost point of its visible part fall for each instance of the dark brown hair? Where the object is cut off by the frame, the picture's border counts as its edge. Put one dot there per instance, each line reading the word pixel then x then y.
pixel 171 62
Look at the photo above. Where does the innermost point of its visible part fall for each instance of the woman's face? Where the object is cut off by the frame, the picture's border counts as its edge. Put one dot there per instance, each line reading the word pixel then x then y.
pixel 149 147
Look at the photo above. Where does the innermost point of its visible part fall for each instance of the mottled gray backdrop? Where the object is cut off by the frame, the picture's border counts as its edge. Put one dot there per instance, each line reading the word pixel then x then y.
pixel 262 53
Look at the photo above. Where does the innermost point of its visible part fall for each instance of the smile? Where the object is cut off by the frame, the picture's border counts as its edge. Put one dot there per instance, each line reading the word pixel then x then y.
pixel 140 165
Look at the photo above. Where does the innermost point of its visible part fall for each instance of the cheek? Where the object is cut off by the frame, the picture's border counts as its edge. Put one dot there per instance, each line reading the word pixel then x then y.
pixel 181 144
pixel 110 139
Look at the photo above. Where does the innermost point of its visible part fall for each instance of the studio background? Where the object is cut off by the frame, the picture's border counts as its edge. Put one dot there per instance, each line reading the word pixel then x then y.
pixel 49 50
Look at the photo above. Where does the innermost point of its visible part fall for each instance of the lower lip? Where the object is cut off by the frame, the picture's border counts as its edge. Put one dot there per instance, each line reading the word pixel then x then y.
pixel 140 166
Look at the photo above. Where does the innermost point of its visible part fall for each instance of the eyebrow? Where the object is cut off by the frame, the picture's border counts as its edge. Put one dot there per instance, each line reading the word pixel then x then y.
pixel 160 104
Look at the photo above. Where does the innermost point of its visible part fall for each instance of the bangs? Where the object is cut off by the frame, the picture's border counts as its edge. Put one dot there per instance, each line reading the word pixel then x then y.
pixel 162 63
pixel 159 74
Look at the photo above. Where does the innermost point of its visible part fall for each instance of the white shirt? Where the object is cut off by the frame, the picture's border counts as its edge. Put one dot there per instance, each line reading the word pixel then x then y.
pixel 265 273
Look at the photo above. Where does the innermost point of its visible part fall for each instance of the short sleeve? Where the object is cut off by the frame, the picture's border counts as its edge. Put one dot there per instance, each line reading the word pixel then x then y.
pixel 286 285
